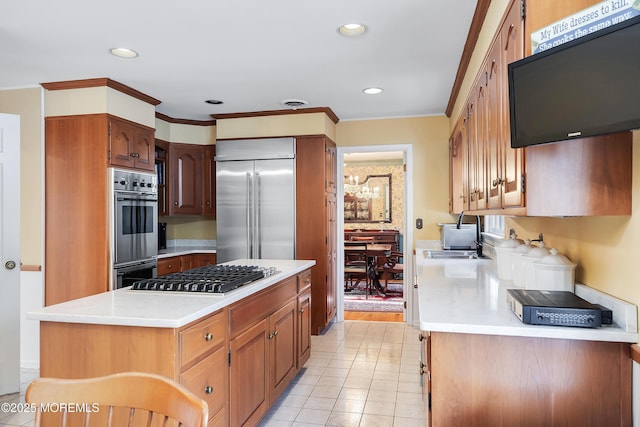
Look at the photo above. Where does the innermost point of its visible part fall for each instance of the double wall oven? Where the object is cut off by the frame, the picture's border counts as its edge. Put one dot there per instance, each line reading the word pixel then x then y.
pixel 133 233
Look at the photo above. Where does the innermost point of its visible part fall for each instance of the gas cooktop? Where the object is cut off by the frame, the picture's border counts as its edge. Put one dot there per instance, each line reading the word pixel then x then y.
pixel 215 279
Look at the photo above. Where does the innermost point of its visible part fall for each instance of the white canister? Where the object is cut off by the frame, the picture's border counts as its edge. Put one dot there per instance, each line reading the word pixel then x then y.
pixel 503 257
pixel 528 259
pixel 554 272
pixel 516 263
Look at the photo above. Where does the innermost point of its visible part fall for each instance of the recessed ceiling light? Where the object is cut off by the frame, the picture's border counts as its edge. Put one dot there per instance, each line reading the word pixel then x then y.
pixel 372 90
pixel 352 30
pixel 214 101
pixel 123 52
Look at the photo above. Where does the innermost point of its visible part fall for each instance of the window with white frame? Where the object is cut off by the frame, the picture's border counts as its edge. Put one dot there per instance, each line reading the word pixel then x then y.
pixel 494 224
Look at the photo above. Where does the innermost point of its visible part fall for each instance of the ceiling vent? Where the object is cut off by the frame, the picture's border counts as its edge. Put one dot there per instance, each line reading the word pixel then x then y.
pixel 294 103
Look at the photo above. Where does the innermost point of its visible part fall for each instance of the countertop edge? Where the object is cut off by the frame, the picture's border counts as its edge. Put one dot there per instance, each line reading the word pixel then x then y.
pixel 614 334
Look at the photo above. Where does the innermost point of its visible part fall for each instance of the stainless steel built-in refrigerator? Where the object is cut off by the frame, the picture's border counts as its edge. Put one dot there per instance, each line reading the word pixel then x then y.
pixel 255 199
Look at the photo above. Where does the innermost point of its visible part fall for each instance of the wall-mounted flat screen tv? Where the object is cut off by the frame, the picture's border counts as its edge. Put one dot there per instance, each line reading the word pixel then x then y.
pixel 586 87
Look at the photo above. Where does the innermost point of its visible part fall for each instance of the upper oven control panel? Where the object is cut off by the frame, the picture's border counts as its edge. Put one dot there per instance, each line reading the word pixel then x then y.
pixel 140 182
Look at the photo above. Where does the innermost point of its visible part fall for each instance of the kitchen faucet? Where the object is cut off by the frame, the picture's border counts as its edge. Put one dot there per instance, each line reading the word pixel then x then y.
pixel 478 241
pixel 460 220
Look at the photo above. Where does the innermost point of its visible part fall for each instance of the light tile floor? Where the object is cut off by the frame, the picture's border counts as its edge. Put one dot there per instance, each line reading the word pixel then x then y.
pixel 359 374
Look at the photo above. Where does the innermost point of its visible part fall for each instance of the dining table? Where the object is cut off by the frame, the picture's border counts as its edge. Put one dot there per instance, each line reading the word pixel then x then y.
pixel 373 251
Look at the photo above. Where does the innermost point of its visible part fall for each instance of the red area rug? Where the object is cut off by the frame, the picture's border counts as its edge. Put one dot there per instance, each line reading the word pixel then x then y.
pixel 393 301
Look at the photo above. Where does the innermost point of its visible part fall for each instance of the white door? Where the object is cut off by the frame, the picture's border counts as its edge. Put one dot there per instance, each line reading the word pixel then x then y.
pixel 9 253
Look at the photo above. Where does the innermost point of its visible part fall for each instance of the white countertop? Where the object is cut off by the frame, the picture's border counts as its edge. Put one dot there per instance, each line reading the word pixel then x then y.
pixel 161 309
pixel 466 296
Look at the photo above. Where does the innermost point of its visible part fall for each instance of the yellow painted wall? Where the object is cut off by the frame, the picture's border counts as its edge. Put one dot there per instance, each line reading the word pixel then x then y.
pixel 94 100
pixel 605 248
pixel 27 103
pixel 186 134
pixel 197 228
pixel 429 137
pixel 279 125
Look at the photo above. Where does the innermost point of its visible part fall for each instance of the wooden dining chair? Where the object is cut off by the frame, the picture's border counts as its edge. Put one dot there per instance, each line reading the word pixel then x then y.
pixel 125 399
pixel 355 264
pixel 389 267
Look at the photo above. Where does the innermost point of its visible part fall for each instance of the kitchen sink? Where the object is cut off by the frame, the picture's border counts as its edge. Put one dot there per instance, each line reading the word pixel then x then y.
pixel 450 254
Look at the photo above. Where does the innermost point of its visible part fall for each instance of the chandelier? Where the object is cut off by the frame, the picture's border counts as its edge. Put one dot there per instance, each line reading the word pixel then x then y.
pixel 361 191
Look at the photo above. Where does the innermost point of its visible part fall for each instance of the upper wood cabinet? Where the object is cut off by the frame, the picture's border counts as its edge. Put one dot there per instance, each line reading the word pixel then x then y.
pixel 330 162
pixel 186 179
pixel 131 145
pixel 188 185
pixel 458 163
pixel 551 179
pixel 512 49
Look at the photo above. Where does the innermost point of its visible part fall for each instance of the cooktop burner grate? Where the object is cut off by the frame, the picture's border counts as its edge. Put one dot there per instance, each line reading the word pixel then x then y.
pixel 207 279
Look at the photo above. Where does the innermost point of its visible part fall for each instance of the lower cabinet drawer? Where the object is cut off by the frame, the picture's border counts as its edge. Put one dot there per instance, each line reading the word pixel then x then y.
pixel 208 380
pixel 202 338
pixel 168 266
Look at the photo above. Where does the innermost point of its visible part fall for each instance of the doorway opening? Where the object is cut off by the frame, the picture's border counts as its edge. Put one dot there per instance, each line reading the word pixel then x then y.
pixel 375 209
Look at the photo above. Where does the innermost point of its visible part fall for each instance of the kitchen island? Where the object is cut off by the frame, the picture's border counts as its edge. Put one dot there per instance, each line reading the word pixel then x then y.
pixel 254 338
pixel 484 367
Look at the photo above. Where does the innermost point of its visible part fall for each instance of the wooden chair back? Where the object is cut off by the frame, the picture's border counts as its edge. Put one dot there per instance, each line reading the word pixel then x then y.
pixel 389 265
pixel 125 399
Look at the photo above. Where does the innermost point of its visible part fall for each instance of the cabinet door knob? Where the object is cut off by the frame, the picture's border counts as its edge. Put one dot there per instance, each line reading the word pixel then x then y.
pixel 270 336
pixel 134 155
pixel 302 310
pixel 208 389
pixel 208 336
pixel 175 203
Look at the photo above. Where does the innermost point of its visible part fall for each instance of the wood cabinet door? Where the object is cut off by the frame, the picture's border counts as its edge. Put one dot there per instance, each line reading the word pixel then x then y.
pixel 493 141
pixel 143 148
pixel 477 155
pixel 425 371
pixel 249 375
pixel 304 328
pixel 208 380
pixel 330 163
pixel 511 36
pixel 332 233
pixel 186 262
pixel 458 161
pixel 186 179
pixel 120 143
pixel 209 197
pixel 202 260
pixel 282 349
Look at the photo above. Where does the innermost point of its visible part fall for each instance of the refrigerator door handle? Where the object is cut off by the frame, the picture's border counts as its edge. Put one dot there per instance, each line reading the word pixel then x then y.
pixel 258 225
pixel 249 215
